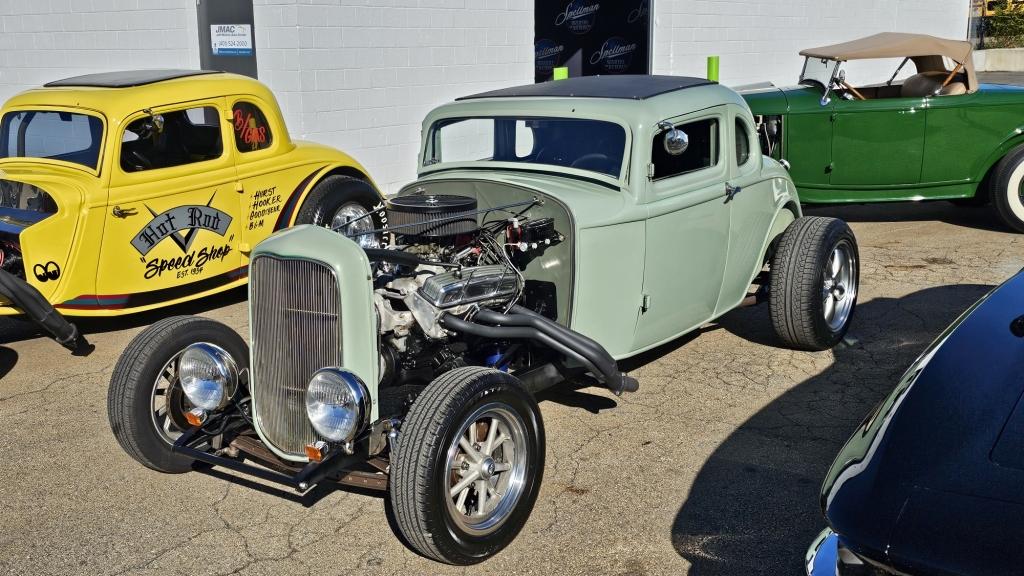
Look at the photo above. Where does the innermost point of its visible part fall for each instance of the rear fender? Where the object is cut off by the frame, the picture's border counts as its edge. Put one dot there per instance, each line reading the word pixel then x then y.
pixel 294 202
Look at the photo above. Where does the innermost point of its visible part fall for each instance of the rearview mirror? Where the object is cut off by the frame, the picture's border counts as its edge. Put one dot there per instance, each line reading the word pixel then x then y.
pixel 676 141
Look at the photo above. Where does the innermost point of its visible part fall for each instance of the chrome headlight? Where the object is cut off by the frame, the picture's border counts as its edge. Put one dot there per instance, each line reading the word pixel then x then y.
pixel 337 404
pixel 208 375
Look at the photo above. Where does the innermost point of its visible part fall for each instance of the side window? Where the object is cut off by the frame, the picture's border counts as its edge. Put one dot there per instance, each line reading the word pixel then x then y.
pixel 703 151
pixel 742 142
pixel 171 139
pixel 252 132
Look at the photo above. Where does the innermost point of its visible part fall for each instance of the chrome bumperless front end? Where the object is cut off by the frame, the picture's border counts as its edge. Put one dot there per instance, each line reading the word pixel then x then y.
pixel 304 412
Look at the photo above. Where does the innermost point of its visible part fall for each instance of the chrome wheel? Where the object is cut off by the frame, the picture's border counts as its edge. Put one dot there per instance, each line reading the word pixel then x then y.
pixel 486 468
pixel 351 219
pixel 168 402
pixel 839 289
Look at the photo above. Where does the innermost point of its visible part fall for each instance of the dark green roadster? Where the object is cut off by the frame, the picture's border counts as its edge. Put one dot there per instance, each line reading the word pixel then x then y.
pixel 929 131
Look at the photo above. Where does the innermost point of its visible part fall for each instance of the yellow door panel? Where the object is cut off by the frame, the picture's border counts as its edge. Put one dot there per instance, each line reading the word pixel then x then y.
pixel 172 224
pixel 265 199
pixel 271 175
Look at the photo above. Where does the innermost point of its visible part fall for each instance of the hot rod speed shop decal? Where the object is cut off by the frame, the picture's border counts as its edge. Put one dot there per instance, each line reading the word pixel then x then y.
pixel 180 224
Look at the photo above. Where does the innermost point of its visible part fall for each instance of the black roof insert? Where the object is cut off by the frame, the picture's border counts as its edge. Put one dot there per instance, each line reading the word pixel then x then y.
pixel 626 86
pixel 126 78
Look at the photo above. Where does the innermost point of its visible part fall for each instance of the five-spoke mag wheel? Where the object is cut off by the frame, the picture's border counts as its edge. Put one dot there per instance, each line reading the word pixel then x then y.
pixel 839 285
pixel 814 283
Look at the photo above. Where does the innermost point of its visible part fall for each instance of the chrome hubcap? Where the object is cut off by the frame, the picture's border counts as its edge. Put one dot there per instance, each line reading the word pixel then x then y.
pixel 839 287
pixel 351 218
pixel 486 468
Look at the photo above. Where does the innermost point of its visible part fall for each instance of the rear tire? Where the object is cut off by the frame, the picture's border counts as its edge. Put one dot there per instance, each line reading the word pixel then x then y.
pixel 432 513
pixel 338 199
pixel 1007 199
pixel 147 371
pixel 811 303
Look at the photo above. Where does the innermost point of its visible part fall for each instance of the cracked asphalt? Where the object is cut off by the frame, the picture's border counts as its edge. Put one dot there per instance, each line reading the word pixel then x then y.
pixel 712 468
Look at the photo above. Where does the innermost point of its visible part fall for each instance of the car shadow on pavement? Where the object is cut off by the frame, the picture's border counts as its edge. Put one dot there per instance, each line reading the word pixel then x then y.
pixel 8 358
pixel 17 328
pixel 573 395
pixel 305 499
pixel 753 507
pixel 977 217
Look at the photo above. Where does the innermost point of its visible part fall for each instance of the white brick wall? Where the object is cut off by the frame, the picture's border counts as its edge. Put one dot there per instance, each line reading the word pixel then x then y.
pixel 361 74
pixel 759 40
pixel 43 40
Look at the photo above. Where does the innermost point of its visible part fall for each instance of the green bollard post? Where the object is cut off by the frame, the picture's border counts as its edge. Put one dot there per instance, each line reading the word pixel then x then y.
pixel 713 68
pixel 561 73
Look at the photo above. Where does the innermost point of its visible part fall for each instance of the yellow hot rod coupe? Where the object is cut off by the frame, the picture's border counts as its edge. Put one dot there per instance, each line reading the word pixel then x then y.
pixel 126 191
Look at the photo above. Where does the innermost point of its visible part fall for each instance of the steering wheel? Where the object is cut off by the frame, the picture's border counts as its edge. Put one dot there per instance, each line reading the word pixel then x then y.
pixel 141 162
pixel 591 161
pixel 851 89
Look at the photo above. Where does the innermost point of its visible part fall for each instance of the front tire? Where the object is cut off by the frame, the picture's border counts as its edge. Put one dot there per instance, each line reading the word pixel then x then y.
pixel 815 275
pixel 1006 191
pixel 145 403
pixel 468 465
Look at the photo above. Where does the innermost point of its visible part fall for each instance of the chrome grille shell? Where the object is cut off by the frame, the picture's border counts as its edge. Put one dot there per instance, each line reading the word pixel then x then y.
pixel 296 327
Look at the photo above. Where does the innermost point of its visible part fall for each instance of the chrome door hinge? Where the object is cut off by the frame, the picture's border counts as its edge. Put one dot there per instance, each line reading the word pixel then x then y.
pixel 650 171
pixel 645 304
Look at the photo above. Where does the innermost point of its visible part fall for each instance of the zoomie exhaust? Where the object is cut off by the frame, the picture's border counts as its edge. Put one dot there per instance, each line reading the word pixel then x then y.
pixel 26 298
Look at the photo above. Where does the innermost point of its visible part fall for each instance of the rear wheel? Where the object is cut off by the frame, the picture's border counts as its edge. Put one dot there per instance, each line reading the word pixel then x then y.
pixel 146 405
pixel 346 205
pixel 815 275
pixel 1006 190
pixel 468 465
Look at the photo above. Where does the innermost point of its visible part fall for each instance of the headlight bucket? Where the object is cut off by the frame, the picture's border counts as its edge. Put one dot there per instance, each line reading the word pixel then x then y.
pixel 337 404
pixel 208 375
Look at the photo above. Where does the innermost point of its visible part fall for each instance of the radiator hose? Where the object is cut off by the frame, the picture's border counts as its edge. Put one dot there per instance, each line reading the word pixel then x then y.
pixel 528 325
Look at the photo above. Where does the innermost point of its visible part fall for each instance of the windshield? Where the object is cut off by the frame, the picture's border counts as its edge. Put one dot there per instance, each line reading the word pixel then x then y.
pixel 818 72
pixel 592 145
pixel 49 134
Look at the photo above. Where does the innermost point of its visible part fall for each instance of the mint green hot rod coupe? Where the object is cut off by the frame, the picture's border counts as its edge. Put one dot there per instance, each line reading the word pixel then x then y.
pixel 928 131
pixel 554 229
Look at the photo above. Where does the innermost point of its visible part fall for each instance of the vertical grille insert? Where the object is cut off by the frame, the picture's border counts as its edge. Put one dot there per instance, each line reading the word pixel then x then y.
pixel 296 330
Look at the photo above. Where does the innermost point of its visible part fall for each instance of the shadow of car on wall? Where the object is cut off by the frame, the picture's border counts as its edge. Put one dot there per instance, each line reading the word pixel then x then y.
pixel 754 505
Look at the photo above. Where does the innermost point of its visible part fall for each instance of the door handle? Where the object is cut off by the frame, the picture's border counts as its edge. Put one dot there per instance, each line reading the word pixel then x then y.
pixel 119 212
pixel 731 192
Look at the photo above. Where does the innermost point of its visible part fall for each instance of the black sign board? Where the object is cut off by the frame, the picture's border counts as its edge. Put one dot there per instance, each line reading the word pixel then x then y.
pixel 592 37
pixel 227 39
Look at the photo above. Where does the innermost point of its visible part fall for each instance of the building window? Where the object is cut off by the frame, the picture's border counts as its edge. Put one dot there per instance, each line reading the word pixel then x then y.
pixel 252 132
pixel 171 139
pixel 700 154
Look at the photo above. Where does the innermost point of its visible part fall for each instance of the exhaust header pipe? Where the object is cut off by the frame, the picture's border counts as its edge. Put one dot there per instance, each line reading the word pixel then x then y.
pixel 26 298
pixel 528 325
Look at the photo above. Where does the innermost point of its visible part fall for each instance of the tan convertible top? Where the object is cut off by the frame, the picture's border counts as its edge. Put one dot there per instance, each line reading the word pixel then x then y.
pixel 925 51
